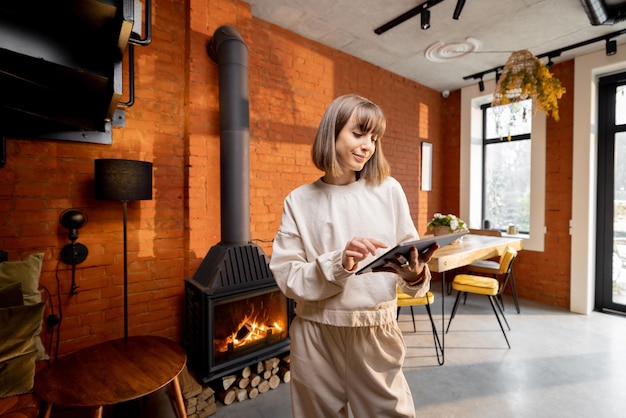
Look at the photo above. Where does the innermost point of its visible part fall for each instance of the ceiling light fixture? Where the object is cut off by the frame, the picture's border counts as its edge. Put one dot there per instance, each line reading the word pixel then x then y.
pixel 425 19
pixel 406 16
pixel 481 85
pixel 458 9
pixel 610 47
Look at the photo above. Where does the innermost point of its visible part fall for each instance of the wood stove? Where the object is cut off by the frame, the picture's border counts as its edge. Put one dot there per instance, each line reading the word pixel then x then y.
pixel 235 314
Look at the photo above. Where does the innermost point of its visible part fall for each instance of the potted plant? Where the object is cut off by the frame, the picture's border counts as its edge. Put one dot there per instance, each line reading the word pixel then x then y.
pixel 446 224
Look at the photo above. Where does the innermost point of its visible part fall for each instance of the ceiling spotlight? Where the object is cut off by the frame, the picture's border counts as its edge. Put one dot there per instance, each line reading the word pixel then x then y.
pixel 550 63
pixel 425 19
pixel 611 47
pixel 481 85
pixel 458 9
pixel 498 74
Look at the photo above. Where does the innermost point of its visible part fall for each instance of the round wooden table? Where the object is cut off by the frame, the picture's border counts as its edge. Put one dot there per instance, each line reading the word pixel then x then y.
pixel 112 372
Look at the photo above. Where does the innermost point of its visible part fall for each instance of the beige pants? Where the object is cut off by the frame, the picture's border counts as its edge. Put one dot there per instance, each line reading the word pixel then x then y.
pixel 332 367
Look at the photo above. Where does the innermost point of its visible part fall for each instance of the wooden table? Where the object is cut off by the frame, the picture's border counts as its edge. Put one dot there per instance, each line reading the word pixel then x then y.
pixel 471 248
pixel 112 372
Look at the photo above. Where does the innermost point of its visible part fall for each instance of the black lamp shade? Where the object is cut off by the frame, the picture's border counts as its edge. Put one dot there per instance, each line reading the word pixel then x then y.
pixel 123 180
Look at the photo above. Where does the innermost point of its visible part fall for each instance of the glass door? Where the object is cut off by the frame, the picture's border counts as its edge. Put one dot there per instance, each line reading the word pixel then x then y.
pixel 611 226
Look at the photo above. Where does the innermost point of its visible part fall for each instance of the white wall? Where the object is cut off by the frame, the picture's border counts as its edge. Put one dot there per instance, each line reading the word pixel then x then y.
pixel 588 68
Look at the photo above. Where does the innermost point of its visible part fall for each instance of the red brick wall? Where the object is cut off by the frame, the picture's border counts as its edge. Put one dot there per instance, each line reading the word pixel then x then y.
pixel 175 124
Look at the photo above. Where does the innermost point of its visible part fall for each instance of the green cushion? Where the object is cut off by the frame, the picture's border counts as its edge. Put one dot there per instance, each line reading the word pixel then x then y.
pixel 11 295
pixel 18 326
pixel 26 272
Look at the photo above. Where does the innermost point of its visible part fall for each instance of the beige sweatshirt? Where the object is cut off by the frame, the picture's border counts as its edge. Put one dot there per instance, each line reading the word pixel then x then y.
pixel 318 220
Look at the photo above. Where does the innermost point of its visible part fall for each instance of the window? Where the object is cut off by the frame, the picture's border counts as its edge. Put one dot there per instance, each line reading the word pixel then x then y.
pixel 472 165
pixel 506 166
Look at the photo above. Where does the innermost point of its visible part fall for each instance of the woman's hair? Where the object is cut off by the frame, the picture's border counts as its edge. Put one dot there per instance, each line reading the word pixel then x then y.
pixel 369 119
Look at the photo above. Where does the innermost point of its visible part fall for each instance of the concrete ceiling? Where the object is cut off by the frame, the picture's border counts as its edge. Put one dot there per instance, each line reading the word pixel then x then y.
pixel 483 37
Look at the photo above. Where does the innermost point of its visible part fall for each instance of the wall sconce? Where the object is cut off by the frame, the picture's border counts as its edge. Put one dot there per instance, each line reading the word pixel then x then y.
pixel 123 180
pixel 611 47
pixel 425 19
pixel 74 253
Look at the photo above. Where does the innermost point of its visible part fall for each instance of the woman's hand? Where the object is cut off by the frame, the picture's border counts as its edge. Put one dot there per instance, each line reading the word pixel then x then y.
pixel 410 269
pixel 357 249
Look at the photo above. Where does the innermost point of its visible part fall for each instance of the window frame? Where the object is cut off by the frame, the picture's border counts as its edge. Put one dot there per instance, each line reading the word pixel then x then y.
pixel 488 141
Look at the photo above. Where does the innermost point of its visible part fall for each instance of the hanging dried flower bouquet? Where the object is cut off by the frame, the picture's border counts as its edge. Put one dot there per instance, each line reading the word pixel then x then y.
pixel 524 76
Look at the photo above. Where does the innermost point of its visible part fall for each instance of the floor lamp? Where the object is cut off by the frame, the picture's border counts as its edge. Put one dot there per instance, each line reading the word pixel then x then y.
pixel 123 180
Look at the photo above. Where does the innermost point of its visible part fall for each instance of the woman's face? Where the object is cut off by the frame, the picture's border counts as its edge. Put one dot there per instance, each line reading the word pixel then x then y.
pixel 354 148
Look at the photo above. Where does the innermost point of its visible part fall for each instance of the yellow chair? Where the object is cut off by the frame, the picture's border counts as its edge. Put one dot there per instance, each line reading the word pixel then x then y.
pixel 488 286
pixel 426 300
pixel 499 271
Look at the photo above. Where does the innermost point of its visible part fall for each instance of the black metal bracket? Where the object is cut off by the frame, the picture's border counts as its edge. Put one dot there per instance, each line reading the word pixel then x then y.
pixel 3 150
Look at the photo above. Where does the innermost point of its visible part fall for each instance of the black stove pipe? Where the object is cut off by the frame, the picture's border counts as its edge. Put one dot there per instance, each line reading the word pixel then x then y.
pixel 227 49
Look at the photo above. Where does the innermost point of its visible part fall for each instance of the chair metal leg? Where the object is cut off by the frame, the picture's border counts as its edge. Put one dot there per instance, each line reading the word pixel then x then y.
pixel 493 306
pixel 510 278
pixel 503 317
pixel 412 317
pixel 454 308
pixel 514 290
pixel 438 346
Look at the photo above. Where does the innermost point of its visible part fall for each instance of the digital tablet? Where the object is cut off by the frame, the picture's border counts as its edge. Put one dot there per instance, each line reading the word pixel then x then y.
pixel 405 248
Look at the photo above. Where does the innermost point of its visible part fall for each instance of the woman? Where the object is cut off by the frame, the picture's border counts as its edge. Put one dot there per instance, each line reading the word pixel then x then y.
pixel 346 347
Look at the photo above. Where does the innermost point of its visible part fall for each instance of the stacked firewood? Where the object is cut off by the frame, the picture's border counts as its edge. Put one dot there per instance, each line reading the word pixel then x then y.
pixel 252 381
pixel 199 399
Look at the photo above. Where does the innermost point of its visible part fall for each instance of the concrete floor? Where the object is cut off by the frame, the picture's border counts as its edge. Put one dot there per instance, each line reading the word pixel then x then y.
pixel 560 365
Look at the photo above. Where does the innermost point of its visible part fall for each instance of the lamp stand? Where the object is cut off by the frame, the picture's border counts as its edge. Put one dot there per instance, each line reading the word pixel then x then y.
pixel 125 205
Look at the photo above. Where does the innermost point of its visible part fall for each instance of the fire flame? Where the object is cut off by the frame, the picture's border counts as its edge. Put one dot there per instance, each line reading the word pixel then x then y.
pixel 249 330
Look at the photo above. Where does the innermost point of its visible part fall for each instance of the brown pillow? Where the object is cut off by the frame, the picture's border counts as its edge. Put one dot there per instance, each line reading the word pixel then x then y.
pixel 18 326
pixel 11 295
pixel 27 273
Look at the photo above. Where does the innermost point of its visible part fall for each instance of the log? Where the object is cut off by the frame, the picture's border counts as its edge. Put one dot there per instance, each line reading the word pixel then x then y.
pixel 255 379
pixel 242 382
pixel 259 367
pixel 227 381
pixel 210 410
pixel 252 392
pixel 242 394
pixel 271 363
pixel 264 386
pixel 246 372
pixel 274 381
pixel 284 373
pixel 227 397
pixel 267 374
pixel 189 386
